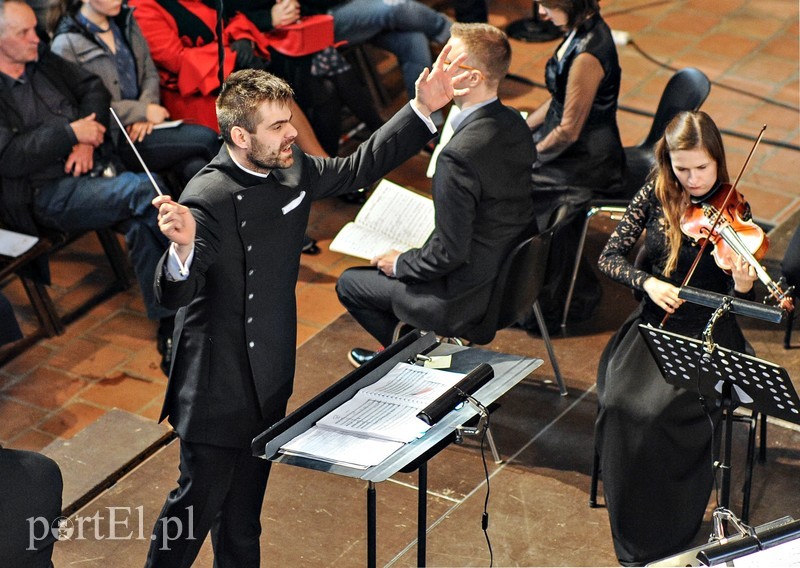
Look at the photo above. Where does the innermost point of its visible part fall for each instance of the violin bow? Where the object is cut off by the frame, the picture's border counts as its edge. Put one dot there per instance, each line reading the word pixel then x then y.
pixel 718 217
pixel 135 151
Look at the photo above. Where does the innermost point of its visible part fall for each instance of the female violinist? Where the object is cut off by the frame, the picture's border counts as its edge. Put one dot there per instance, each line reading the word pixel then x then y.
pixel 654 440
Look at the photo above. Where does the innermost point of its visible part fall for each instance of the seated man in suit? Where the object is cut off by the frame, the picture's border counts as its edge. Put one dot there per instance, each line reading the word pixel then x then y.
pixel 483 204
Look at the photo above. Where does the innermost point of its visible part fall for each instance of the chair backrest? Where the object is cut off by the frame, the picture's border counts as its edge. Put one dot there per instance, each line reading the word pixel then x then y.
pixel 518 283
pixel 687 89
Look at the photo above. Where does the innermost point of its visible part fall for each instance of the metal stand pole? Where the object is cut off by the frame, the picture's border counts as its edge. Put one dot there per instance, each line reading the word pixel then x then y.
pixel 371 522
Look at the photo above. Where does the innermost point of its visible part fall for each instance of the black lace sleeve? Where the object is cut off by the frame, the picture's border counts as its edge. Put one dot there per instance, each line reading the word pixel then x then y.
pixel 613 260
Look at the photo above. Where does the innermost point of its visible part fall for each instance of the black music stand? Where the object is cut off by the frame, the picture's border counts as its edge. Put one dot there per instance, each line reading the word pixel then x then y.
pixel 508 371
pixel 533 29
pixel 731 378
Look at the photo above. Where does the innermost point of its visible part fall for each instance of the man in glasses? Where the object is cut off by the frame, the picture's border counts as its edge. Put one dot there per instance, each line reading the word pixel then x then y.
pixel 483 203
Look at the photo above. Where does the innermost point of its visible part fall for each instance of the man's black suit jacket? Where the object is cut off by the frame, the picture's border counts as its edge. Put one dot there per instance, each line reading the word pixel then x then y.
pixel 234 352
pixel 483 200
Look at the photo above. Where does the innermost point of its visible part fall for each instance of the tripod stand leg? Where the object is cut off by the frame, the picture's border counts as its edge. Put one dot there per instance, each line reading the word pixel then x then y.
pixel 725 462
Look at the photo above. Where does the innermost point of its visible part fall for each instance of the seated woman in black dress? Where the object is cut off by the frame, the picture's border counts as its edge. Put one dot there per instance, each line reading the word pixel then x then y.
pixel 579 152
pixel 654 440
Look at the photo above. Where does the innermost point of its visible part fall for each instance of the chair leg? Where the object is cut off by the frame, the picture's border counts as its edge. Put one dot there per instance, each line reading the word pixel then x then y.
pixel 537 310
pixel 578 253
pixel 492 446
pixel 762 439
pixel 465 430
pixel 43 307
pixel 116 257
pixel 595 477
pixel 748 474
pixel 787 338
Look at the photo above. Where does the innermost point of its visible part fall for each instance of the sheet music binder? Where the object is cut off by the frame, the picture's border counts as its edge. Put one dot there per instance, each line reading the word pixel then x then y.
pixel 756 383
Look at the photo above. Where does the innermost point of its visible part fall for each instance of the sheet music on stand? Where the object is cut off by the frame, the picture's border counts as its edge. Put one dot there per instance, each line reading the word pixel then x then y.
pixel 756 383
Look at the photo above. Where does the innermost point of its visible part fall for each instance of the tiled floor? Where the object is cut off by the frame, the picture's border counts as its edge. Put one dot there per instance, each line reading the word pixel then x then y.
pixel 107 359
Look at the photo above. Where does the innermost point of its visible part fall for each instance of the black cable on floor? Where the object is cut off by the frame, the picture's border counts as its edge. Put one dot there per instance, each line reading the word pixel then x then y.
pixel 737 90
pixel 485 515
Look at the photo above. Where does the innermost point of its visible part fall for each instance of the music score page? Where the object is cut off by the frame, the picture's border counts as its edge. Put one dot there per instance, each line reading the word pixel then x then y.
pixel 378 420
pixel 392 218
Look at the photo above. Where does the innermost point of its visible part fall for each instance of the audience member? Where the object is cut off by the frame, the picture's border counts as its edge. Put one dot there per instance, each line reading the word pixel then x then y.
pixel 331 80
pixel 654 439
pixel 104 38
pixel 403 27
pixel 484 206
pixel 30 507
pixel 42 10
pixel 231 272
pixel 578 143
pixel 182 38
pixel 54 115
pixel 183 44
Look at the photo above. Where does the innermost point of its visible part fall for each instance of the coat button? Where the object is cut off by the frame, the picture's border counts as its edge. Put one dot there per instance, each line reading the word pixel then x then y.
pixel 244 223
pixel 250 272
pixel 239 196
pixel 249 296
pixel 250 320
pixel 249 247
pixel 252 344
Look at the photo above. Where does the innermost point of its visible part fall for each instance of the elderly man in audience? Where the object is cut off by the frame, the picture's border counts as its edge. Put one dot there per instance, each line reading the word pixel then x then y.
pixel 52 174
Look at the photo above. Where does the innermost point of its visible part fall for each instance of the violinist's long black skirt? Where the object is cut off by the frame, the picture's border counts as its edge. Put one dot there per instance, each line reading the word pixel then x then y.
pixel 655 445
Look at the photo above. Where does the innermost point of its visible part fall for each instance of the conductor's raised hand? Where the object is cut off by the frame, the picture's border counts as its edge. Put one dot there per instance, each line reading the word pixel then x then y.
pixel 177 223
pixel 434 87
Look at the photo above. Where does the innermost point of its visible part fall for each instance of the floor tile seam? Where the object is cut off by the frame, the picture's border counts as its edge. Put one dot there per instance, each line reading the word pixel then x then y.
pixel 28 431
pixel 49 414
pixel 458 502
pixel 429 492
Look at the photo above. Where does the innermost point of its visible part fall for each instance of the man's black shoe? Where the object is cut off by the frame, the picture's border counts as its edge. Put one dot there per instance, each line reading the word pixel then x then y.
pixel 358 197
pixel 166 355
pixel 164 342
pixel 309 246
pixel 359 356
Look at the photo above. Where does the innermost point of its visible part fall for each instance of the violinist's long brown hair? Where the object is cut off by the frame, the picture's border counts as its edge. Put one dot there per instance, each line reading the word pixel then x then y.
pixel 689 130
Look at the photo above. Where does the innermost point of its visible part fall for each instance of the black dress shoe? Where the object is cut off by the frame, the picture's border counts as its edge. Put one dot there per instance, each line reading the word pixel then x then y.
pixel 309 246
pixel 358 197
pixel 166 356
pixel 359 356
pixel 164 342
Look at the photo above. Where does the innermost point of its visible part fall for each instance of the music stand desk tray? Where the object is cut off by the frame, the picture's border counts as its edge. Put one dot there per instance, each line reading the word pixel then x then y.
pixel 508 371
pixel 757 384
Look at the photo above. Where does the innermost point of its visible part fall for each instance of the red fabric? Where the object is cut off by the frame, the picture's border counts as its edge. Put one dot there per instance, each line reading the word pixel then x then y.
pixel 241 27
pixel 310 35
pixel 194 109
pixel 183 65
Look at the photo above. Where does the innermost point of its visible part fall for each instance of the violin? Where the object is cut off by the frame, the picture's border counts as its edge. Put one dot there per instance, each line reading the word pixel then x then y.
pixel 723 218
pixel 735 231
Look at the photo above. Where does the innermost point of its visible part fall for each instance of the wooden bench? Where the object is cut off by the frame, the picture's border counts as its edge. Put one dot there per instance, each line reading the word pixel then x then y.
pixel 51 323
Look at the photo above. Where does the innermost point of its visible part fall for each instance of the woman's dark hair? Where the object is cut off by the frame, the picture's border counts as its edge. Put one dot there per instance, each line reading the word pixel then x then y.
pixel 576 10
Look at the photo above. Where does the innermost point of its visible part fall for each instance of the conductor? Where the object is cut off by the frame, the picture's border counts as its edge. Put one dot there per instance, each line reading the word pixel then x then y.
pixel 231 271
